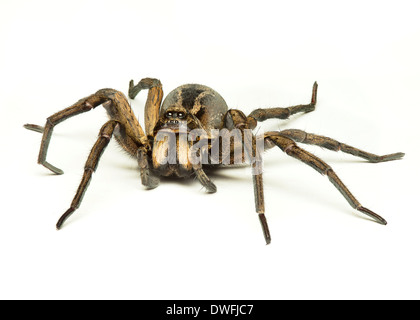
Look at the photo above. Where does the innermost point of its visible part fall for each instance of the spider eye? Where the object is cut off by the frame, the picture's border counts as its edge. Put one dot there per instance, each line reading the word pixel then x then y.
pixel 180 115
pixel 169 114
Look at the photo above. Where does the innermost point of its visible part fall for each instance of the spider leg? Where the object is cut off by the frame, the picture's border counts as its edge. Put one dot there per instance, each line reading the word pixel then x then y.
pixel 290 148
pixel 81 106
pixel 34 127
pixel 282 113
pixel 235 119
pixel 197 151
pixel 154 99
pixel 147 178
pixel 92 162
pixel 145 83
pixel 203 178
pixel 325 142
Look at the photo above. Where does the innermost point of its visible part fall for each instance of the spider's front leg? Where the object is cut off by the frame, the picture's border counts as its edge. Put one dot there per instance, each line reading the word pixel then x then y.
pixel 154 99
pixel 199 172
pixel 83 105
pixel 105 135
pixel 151 115
pixel 236 120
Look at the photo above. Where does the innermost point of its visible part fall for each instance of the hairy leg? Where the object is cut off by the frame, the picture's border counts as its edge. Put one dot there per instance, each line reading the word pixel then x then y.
pixel 331 144
pixel 282 113
pixel 92 162
pixel 235 119
pixel 83 105
pixel 147 178
pixel 204 179
pixel 154 99
pixel 290 148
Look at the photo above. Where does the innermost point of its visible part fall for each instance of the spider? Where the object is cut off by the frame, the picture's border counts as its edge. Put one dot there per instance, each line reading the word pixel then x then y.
pixel 185 110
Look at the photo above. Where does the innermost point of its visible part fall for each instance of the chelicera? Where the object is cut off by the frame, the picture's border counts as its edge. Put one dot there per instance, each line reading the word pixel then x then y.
pixel 186 134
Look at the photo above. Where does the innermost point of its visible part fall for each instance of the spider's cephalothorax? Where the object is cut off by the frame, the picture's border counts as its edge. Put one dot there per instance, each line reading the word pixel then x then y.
pixel 188 108
pixel 193 115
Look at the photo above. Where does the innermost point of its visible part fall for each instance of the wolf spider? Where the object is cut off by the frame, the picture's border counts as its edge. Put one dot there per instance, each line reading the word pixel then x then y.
pixel 195 106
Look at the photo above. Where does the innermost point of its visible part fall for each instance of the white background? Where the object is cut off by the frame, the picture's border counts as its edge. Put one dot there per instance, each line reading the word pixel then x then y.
pixel 177 242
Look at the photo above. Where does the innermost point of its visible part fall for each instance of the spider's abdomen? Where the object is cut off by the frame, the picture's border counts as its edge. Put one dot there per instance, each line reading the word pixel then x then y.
pixel 201 101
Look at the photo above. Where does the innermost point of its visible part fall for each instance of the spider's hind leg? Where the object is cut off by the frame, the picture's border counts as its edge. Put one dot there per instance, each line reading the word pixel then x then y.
pixel 291 149
pixel 334 145
pixel 105 135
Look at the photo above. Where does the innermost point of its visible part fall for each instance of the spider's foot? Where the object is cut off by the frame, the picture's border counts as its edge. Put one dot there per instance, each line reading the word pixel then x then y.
pixel 34 127
pixel 150 182
pixel 52 168
pixel 130 90
pixel 389 157
pixel 145 83
pixel 264 226
pixel 314 94
pixel 210 187
pixel 64 217
pixel 372 214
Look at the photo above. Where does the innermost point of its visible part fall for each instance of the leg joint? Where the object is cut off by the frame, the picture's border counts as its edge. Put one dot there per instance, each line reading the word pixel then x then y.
pixel 328 171
pixel 50 122
pixel 288 148
pixel 88 105
pixel 106 136
pixel 295 134
pixel 89 168
pixel 235 119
